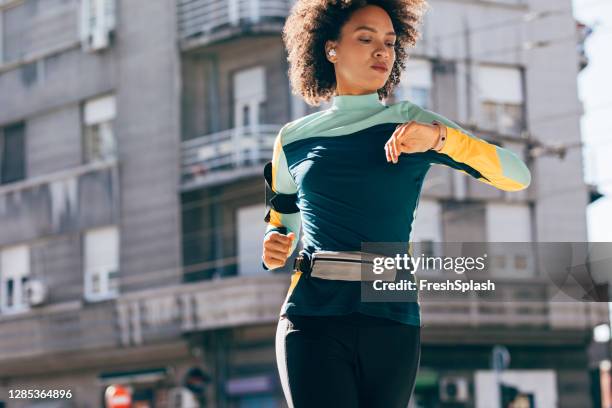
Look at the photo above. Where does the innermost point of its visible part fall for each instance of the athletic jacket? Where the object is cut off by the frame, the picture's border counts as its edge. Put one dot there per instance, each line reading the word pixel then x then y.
pixel 348 194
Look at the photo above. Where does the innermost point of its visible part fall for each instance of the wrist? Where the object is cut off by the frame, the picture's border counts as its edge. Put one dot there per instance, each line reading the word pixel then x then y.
pixel 441 136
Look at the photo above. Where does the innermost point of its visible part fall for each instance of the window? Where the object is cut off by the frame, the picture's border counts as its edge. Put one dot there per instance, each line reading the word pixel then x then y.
pixel 14 274
pixel 99 138
pixel 501 99
pixel 502 117
pixel 12 153
pixel 415 83
pixel 101 263
pixel 509 235
pixel 250 225
pixel 96 23
pixel 249 93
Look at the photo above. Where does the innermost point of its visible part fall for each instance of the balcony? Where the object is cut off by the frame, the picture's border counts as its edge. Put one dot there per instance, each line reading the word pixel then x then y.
pixel 164 314
pixel 58 203
pixel 203 22
pixel 160 313
pixel 155 314
pixel 224 156
pixel 57 328
pixel 522 316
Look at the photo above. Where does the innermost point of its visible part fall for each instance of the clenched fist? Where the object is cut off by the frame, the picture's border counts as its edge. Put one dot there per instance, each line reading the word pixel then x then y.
pixel 411 137
pixel 276 247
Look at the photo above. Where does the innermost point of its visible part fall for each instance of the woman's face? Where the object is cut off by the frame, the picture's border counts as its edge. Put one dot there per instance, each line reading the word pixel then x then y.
pixel 366 40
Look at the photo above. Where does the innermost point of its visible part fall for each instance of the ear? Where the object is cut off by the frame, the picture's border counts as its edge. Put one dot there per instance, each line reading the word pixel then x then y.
pixel 328 46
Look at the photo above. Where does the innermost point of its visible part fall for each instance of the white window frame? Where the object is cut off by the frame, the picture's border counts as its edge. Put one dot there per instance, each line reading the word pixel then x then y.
pixel 500 86
pixel 97 21
pixel 100 112
pixel 15 265
pixel 102 269
pixel 249 91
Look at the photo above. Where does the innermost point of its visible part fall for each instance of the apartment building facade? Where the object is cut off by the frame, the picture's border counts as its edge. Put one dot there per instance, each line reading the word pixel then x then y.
pixel 133 138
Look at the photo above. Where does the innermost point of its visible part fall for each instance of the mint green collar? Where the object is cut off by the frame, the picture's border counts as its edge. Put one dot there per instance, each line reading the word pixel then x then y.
pixel 350 102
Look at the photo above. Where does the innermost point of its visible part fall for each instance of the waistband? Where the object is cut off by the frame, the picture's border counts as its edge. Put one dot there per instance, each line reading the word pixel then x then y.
pixel 342 265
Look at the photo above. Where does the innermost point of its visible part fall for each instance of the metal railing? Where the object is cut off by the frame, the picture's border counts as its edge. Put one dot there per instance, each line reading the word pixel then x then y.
pixel 150 315
pixel 203 17
pixel 519 303
pixel 227 150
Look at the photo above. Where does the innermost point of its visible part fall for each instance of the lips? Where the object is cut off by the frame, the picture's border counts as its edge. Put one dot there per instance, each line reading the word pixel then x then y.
pixel 379 68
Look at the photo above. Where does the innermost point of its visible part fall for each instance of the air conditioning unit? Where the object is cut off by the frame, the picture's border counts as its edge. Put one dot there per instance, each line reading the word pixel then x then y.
pixel 35 292
pixel 454 389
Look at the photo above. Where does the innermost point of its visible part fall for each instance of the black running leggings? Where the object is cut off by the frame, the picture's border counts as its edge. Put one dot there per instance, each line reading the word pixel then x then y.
pixel 352 361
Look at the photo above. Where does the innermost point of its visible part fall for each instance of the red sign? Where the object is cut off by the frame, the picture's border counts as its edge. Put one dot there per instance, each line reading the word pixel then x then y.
pixel 117 396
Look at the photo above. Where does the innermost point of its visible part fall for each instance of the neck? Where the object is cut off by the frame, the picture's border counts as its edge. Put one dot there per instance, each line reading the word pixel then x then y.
pixel 368 101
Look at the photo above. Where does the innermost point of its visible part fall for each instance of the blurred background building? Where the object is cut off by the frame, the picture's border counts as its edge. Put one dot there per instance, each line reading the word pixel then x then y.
pixel 132 141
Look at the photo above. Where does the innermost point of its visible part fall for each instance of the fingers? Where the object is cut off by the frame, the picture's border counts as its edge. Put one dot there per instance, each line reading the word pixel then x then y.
pixel 274 261
pixel 276 249
pixel 396 147
pixel 388 152
pixel 407 138
pixel 392 147
pixel 277 246
pixel 281 238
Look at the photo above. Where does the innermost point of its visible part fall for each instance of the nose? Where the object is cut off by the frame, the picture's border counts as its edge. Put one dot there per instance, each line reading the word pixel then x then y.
pixel 381 52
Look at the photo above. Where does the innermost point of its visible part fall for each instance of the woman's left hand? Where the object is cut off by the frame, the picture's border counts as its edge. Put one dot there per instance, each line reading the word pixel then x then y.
pixel 411 137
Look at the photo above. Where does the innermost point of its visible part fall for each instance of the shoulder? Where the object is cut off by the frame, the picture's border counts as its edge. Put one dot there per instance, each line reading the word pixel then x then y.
pixel 410 111
pixel 405 109
pixel 299 128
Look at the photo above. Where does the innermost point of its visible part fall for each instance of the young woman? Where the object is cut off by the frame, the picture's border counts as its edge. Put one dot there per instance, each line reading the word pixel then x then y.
pixel 349 175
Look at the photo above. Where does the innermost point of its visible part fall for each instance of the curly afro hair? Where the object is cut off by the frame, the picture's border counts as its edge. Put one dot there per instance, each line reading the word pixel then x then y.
pixel 312 22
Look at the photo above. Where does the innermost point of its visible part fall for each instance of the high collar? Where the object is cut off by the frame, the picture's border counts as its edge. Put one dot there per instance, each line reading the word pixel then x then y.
pixel 350 102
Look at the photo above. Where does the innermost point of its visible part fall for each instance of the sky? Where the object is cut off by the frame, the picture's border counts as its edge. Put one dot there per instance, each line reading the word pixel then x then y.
pixel 595 91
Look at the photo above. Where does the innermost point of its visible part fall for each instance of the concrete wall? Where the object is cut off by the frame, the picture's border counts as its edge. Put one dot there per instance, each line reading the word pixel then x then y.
pixel 147 123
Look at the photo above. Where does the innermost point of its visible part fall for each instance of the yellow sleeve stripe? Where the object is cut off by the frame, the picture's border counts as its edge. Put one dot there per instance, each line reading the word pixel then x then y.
pixel 478 154
pixel 275 218
pixel 483 156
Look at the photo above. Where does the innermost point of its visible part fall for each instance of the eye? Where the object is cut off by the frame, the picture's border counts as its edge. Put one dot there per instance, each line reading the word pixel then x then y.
pixel 391 44
pixel 364 40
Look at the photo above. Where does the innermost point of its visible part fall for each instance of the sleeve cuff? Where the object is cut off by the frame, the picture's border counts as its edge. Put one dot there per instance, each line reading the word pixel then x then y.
pixel 453 139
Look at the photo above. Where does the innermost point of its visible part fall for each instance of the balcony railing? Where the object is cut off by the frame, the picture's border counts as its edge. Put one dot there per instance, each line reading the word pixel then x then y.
pixel 208 19
pixel 519 303
pixel 61 202
pixel 166 313
pixel 148 315
pixel 56 328
pixel 229 152
pixel 152 315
